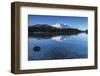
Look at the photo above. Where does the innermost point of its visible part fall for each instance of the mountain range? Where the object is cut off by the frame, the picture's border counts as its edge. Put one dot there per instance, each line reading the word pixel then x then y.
pixel 57 27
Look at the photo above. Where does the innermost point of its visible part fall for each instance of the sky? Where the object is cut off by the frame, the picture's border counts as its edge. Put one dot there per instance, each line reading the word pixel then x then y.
pixel 72 21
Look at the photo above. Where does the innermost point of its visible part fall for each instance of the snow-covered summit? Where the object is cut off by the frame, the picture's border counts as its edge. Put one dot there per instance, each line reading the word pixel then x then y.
pixel 60 25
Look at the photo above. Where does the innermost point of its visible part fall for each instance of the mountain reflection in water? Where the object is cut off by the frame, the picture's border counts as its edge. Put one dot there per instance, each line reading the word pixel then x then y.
pixel 42 46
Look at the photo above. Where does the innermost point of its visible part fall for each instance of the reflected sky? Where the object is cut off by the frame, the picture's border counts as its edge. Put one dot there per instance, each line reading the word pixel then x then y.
pixel 59 47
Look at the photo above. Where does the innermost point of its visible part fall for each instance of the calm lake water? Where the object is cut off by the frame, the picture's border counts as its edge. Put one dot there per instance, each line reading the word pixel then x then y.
pixel 58 47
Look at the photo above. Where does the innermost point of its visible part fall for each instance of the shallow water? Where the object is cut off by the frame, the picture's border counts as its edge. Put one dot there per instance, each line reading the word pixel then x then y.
pixel 58 47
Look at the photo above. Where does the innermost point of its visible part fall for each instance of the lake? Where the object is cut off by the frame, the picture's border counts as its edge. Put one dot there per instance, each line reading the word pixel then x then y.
pixel 58 47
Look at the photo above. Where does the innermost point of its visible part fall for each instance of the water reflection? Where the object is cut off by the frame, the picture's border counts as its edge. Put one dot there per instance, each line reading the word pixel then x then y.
pixel 47 47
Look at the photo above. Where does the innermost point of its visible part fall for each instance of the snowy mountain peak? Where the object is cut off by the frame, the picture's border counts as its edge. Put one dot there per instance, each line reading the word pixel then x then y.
pixel 60 25
pixel 57 25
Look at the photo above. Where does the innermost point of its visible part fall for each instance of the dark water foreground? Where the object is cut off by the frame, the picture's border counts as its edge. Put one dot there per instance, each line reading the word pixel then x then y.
pixel 43 46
